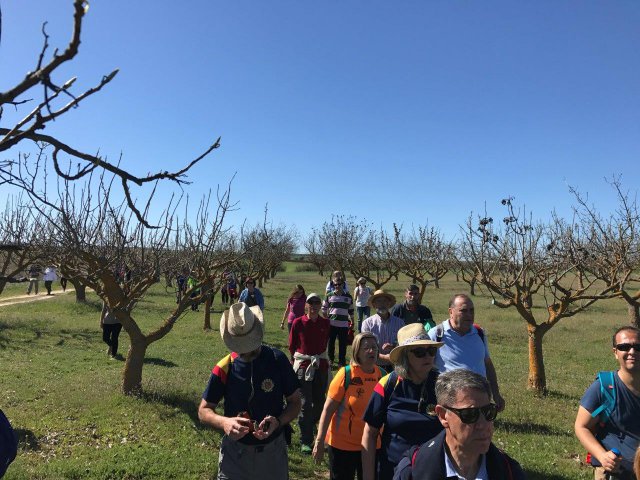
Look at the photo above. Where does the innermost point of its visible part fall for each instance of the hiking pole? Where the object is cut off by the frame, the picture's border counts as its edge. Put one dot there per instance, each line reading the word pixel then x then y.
pixel 609 475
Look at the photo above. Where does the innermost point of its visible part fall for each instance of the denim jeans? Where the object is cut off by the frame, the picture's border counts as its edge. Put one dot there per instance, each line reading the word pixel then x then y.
pixel 363 312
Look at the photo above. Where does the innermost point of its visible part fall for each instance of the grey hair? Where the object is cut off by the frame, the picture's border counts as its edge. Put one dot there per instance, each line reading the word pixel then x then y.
pixel 450 383
pixel 402 367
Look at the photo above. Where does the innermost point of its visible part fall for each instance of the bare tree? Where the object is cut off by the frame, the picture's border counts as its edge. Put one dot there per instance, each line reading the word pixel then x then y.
pixel 612 245
pixel 22 240
pixel 422 254
pixel 101 239
pixel 55 99
pixel 522 263
pixel 263 249
pixel 372 259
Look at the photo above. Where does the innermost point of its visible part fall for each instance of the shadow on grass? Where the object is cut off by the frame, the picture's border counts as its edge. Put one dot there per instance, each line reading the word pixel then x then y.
pixel 4 341
pixel 530 428
pixel 563 396
pixel 27 441
pixel 185 403
pixel 84 336
pixel 160 362
pixel 533 475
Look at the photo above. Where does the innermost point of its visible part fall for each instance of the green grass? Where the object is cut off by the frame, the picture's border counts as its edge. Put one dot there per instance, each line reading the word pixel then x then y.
pixel 62 393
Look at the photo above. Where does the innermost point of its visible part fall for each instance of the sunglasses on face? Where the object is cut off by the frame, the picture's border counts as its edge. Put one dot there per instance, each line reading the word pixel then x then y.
pixel 314 303
pixel 422 352
pixel 472 414
pixel 625 347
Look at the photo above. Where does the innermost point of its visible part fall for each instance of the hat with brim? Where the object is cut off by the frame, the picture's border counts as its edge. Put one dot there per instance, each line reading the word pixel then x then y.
pixel 381 294
pixel 242 328
pixel 411 336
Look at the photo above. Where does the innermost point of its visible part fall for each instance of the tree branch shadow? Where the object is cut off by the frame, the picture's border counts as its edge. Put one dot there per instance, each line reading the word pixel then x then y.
pixel 161 362
pixel 530 428
pixel 183 402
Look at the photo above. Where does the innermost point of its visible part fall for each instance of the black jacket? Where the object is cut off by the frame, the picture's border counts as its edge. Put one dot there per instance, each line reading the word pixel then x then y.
pixel 428 463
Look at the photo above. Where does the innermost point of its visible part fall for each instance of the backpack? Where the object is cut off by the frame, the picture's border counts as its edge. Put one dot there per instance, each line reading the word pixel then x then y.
pixel 608 395
pixel 440 332
pixel 8 443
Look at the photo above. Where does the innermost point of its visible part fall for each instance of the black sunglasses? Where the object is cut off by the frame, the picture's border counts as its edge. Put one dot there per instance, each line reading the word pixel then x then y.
pixel 422 352
pixel 472 414
pixel 625 347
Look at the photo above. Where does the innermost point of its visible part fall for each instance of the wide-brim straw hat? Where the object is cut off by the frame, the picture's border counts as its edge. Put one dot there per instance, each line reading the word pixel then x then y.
pixel 380 294
pixel 242 328
pixel 411 336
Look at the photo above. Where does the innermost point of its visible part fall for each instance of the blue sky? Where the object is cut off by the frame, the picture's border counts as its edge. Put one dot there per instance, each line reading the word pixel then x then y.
pixel 405 111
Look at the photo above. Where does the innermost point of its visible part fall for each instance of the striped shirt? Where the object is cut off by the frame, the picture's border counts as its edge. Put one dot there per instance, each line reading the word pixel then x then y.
pixel 338 308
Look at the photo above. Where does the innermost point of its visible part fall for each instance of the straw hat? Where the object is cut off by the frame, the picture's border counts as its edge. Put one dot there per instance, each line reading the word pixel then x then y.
pixel 242 328
pixel 380 294
pixel 410 336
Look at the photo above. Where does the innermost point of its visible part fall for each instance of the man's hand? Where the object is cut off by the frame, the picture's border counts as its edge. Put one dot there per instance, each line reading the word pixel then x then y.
pixel 237 427
pixel 610 461
pixel 267 426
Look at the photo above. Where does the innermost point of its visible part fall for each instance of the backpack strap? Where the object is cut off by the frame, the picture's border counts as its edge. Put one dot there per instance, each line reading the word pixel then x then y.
pixel 347 378
pixel 390 386
pixel 480 331
pixel 608 395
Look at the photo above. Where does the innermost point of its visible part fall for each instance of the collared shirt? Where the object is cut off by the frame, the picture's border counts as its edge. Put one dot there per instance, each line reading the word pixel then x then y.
pixel 386 331
pixel 452 473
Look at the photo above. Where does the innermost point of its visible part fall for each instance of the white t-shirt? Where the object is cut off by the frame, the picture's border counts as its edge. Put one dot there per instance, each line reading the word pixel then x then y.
pixel 362 299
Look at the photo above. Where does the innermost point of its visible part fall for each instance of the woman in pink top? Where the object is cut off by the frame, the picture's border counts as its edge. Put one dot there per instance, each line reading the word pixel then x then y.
pixel 295 306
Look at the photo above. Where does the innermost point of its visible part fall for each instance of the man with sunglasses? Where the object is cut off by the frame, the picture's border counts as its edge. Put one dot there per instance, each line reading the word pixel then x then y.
pixel 604 425
pixel 464 449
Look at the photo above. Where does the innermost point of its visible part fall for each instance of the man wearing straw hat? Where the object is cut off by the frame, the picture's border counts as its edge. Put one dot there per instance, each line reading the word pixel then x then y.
pixel 252 380
pixel 383 325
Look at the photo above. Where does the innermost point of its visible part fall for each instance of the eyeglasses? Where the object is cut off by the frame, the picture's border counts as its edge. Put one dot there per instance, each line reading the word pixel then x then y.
pixel 250 283
pixel 625 347
pixel 314 303
pixel 372 348
pixel 472 414
pixel 422 352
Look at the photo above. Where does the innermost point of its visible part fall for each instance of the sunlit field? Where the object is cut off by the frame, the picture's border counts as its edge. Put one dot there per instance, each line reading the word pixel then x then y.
pixel 61 391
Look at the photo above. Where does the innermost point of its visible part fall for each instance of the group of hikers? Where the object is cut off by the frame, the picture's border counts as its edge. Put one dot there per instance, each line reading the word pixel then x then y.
pixel 417 400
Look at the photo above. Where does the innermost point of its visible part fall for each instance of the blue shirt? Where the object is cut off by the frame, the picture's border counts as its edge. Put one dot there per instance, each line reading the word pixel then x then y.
pixel 256 387
pixel 252 300
pixel 467 351
pixel 404 425
pixel 624 419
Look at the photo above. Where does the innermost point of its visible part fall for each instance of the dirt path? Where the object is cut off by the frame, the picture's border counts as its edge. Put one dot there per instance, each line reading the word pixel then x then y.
pixel 4 301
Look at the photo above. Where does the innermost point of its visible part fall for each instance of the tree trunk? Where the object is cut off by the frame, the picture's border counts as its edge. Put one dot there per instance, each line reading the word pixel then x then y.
pixel 207 312
pixel 457 277
pixel 3 283
pixel 472 287
pixel 436 282
pixel 80 288
pixel 537 375
pixel 132 374
pixel 260 281
pixel 634 314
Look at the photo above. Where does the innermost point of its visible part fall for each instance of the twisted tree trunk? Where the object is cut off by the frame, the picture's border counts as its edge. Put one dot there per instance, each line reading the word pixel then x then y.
pixel 537 376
